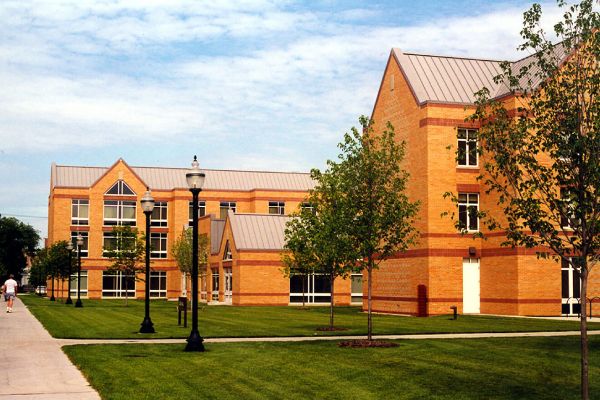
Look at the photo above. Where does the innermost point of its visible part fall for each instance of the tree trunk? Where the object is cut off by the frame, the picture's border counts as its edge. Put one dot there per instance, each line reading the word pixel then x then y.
pixel 369 319
pixel 585 395
pixel 331 279
pixel 304 290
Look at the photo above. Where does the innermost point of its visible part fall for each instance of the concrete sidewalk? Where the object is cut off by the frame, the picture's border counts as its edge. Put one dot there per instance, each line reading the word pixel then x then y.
pixel 33 364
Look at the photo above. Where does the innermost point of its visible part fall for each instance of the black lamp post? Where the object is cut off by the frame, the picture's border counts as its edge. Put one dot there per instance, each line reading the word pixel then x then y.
pixel 78 303
pixel 195 180
pixel 70 248
pixel 147 205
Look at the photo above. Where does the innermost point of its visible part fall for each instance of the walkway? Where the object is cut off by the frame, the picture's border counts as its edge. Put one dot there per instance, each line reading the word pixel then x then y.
pixel 33 364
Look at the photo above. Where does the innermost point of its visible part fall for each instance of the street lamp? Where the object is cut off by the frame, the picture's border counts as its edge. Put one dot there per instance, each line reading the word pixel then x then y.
pixel 195 180
pixel 70 248
pixel 147 206
pixel 78 303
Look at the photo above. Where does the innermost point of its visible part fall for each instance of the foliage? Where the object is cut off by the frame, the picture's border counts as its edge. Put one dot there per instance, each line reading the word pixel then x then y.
pixel 544 163
pixel 373 184
pixel 38 271
pixel 317 239
pixel 182 250
pixel 57 260
pixel 126 253
pixel 17 241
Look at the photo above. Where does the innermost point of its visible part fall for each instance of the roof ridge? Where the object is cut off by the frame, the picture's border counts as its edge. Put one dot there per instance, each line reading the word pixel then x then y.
pixel 259 214
pixel 203 169
pixel 458 57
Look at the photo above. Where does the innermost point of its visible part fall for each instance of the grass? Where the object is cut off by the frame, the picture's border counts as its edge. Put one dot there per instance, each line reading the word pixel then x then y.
pixel 517 368
pixel 112 319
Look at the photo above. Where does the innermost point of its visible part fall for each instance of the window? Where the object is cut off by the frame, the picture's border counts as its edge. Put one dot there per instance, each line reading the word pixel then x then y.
pixel 84 247
pixel 567 215
pixel 84 284
pixel 215 284
pixel 158 245
pixel 570 286
pixel 158 284
pixel 110 242
pixel 467 147
pixel 201 211
pixel 468 210
pixel 277 207
pixel 227 252
pixel 120 189
pixel 356 289
pixel 159 214
pixel 117 284
pixel 80 212
pixel 226 205
pixel 306 206
pixel 117 212
pixel 316 288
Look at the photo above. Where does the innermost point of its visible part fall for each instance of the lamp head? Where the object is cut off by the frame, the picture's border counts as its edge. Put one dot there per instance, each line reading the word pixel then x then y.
pixel 147 201
pixel 195 177
pixel 79 240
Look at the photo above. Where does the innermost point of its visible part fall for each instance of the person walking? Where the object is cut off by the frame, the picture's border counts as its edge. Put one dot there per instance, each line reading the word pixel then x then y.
pixel 10 292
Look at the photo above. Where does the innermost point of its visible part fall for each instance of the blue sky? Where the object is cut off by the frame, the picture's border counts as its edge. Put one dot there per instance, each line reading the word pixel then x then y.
pixel 260 85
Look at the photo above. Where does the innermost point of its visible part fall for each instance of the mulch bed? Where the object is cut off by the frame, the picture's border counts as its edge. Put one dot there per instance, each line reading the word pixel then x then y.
pixel 330 329
pixel 362 343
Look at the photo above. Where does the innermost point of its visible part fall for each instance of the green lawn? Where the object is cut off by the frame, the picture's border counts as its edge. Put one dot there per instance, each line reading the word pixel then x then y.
pixel 518 368
pixel 112 319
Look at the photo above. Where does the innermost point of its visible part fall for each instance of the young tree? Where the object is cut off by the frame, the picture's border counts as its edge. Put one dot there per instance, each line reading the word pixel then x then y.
pixel 126 252
pixel 317 238
pixel 544 163
pixel 182 251
pixel 38 273
pixel 17 240
pixel 57 261
pixel 373 185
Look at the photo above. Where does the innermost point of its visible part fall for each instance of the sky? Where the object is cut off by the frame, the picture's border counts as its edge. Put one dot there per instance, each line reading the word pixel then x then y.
pixel 244 84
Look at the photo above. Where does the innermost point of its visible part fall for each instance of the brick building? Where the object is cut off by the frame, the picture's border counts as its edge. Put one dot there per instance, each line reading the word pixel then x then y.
pixel 91 200
pixel 427 98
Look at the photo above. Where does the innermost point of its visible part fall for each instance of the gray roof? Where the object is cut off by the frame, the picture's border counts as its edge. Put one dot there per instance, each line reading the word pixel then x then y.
pixel 456 79
pixel 171 178
pixel 258 231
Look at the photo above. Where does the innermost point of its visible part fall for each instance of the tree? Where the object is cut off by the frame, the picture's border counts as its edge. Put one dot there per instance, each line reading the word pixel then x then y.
pixel 317 238
pixel 373 184
pixel 17 241
pixel 182 251
pixel 57 260
pixel 126 252
pixel 544 163
pixel 38 273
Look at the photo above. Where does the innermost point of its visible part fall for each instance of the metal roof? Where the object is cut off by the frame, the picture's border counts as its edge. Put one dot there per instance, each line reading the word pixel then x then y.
pixel 456 79
pixel 258 231
pixel 171 178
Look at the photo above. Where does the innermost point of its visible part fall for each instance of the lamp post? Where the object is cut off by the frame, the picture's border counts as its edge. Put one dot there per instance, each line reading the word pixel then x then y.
pixel 195 180
pixel 70 248
pixel 147 206
pixel 78 303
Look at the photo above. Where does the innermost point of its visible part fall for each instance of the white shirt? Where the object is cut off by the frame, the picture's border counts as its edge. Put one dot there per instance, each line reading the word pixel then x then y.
pixel 10 285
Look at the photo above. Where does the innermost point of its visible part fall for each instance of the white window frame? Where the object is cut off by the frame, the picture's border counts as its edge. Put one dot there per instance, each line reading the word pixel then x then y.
pixel 86 243
pixel 162 209
pixel 161 251
pixel 310 293
pixel 161 292
pixel 120 205
pixel 84 283
pixel 120 290
pixel 120 189
pixel 78 204
pixel 226 205
pixel 277 207
pixel 469 202
pixel 571 301
pixel 356 294
pixel 468 140
pixel 201 211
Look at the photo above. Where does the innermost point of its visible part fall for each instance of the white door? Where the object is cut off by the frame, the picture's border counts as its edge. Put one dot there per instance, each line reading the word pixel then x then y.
pixel 228 284
pixel 471 285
